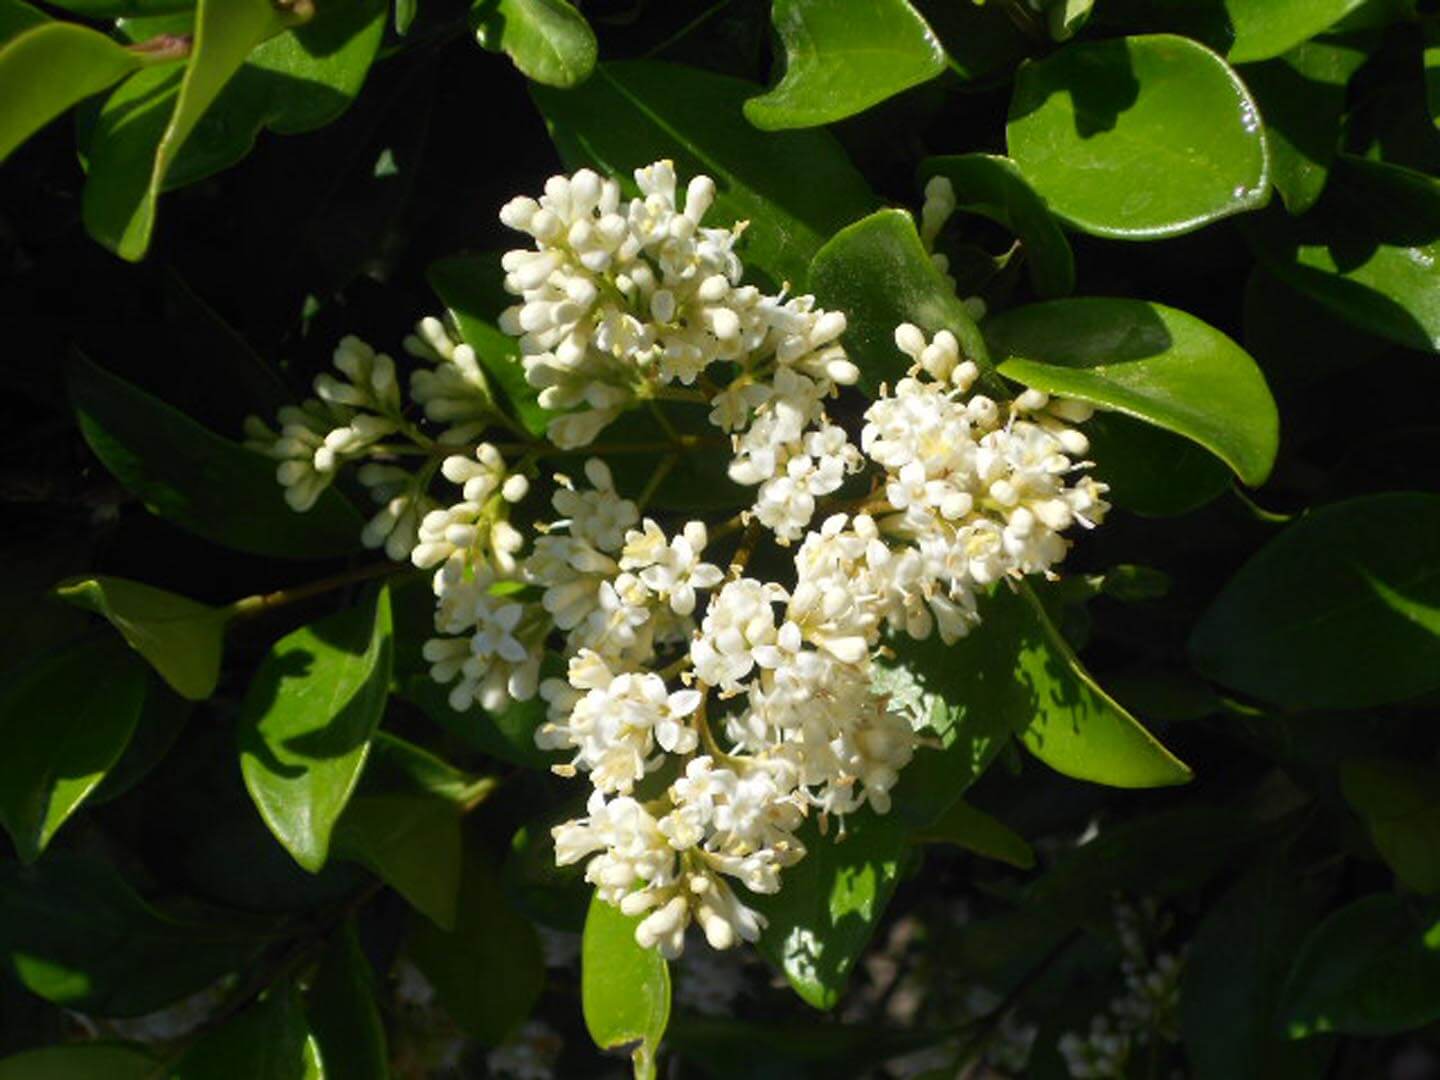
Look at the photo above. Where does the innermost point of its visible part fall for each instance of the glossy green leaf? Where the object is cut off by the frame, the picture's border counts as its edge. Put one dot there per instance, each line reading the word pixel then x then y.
pixel 1302 98
pixel 1341 610
pixel 1151 472
pixel 991 186
pixel 820 922
pixel 403 822
pixel 549 41
pixel 1138 138
pixel 1399 801
pixel 404 15
pixel 83 1061
pixel 73 933
pixel 1066 18
pixel 488 972
pixel 270 1040
pixel 1369 251
pixel 842 57
pixel 472 289
pixel 343 1014
pixel 121 9
pixel 199 481
pixel 183 640
pixel 624 989
pixel 1148 361
pixel 65 720
pixel 879 274
pixel 974 830
pixel 1077 728
pixel 1372 968
pixel 1266 28
pixel 795 188
pixel 1235 971
pixel 119 203
pixel 50 67
pixel 308 719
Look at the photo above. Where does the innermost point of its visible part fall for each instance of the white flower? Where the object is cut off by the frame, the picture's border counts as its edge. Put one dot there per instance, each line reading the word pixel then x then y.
pixel 672 571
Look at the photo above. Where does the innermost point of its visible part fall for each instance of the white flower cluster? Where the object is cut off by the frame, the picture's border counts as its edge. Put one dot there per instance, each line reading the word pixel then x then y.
pixel 712 711
pixel 1148 1010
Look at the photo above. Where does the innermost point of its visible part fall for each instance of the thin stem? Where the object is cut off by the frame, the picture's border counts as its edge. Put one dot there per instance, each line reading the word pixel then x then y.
pixel 748 540
pixel 250 606
pixel 657 478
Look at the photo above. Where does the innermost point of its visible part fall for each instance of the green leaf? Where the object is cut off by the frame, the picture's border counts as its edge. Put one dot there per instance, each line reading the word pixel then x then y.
pixel 119 202
pixel 268 1041
pixel 1266 28
pixel 1235 972
pixel 879 274
pixel 824 915
pixel 974 830
pixel 119 9
pixel 161 720
pixel 724 1048
pixel 991 186
pixel 308 719
pixel 1302 97
pixel 1432 70
pixel 1138 138
pixel 404 15
pixel 1150 471
pixel 16 17
pixel 1297 342
pixel 472 290
pixel 404 824
pixel 549 40
pixel 50 67
pixel 201 482
pixel 1148 361
pixel 183 640
pixel 73 933
pixel 65 720
pixel 795 188
pixel 1372 969
pixel 508 735
pixel 1369 251
pixel 842 57
pixel 1340 611
pixel 84 1061
pixel 343 1014
pixel 624 989
pixel 1399 801
pixel 488 972
pixel 980 40
pixel 555 896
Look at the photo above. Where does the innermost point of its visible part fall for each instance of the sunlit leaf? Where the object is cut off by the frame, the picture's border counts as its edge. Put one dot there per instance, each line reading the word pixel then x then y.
pixel 624 989
pixel 548 40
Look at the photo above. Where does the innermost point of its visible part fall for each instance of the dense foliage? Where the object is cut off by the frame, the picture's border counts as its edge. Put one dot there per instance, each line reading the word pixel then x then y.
pixel 1172 809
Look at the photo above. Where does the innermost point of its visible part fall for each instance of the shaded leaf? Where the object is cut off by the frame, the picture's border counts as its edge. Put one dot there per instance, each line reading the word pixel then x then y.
pixel 556 896
pixel 1138 138
pixel 1266 28
pixel 270 1040
pixel 548 40
pixel 308 719
pixel 85 1061
pixel 842 57
pixel 1149 471
pixel 1341 610
pixel 342 1012
pixel 624 989
pixel 974 830
pixel 1399 801
pixel 724 1048
pixel 162 718
pixel 1148 361
pixel 980 40
pixel 508 735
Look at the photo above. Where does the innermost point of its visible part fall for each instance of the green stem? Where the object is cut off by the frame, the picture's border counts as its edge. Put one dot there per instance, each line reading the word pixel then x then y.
pixel 657 478
pixel 250 606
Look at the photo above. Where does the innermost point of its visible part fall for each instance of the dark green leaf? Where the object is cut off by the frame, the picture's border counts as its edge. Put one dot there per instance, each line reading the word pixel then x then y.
pixel 308 719
pixel 65 720
pixel 556 896
pixel 508 735
pixel 1372 968
pixel 1150 471
pixel 1234 974
pixel 1302 97
pixel 470 287
pixel 183 640
pixel 1432 70
pixel 343 1015
pixel 268 1041
pixel 1138 138
pixel 624 989
pixel 991 185
pixel 795 188
pixel 726 1048
pixel 879 274
pixel 404 15
pixel 1297 342
pixel 161 720
pixel 1266 28
pixel 1369 251
pixel 842 57
pixel 1151 362
pixel 980 40
pixel 72 932
pixel 549 40
pixel 119 204
pixel 404 824
pixel 16 17
pixel 201 482
pixel 119 9
pixel 489 971
pixel 50 67
pixel 85 1061
pixel 697 477
pixel 1341 610
pixel 1399 801
pixel 977 831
